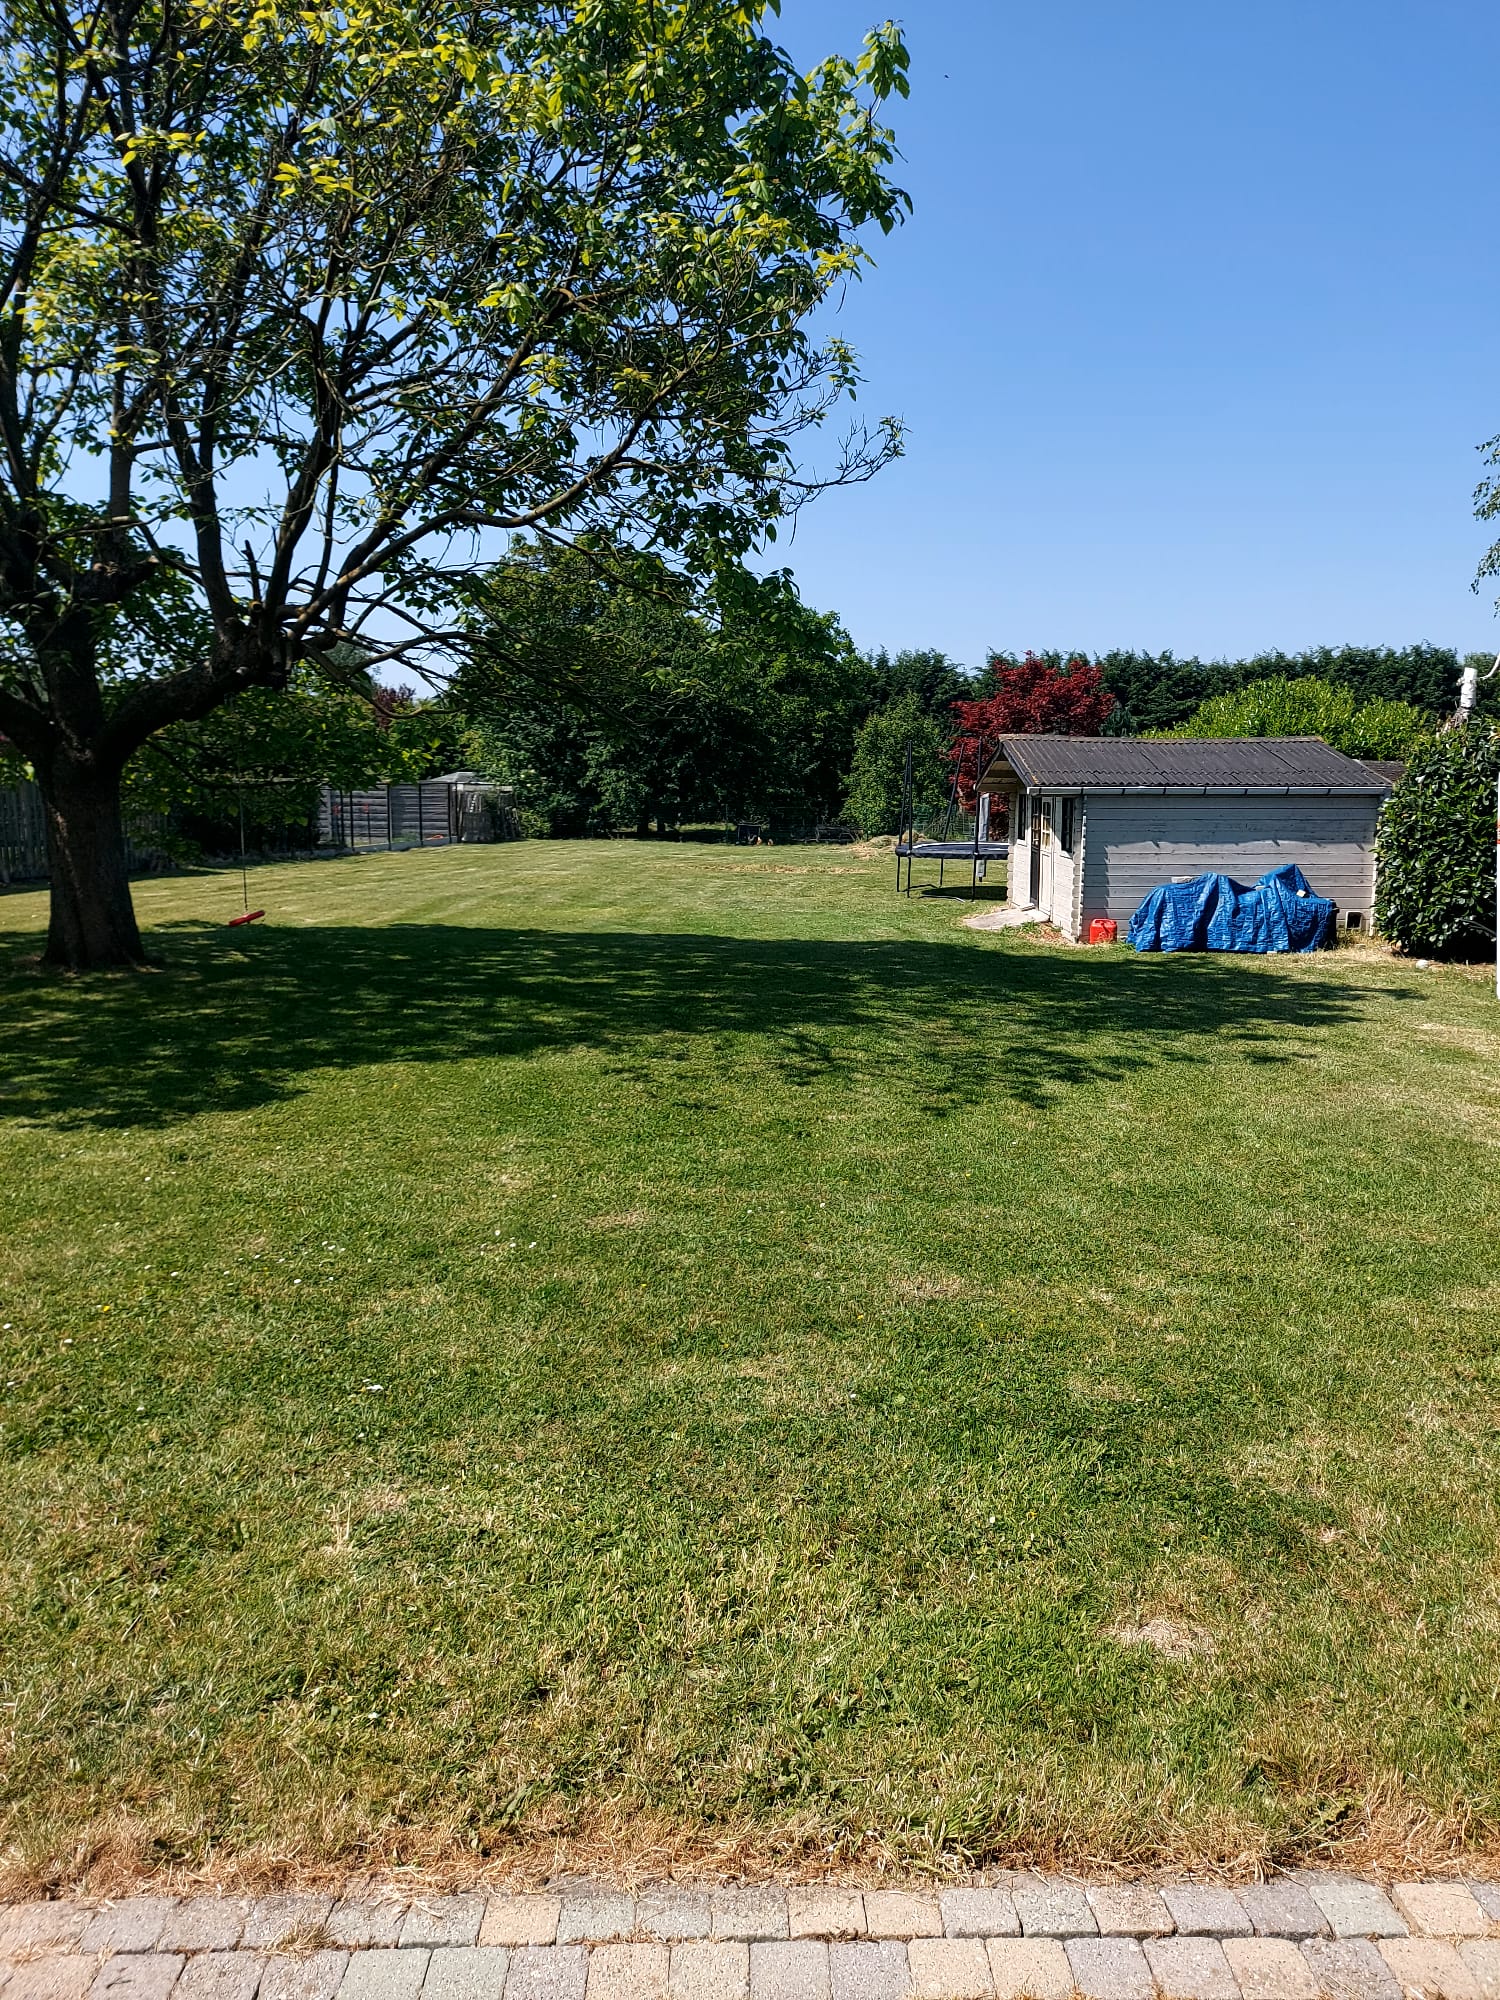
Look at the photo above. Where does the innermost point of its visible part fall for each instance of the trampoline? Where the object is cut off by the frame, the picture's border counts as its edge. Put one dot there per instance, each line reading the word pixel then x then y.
pixel 954 850
pixel 977 850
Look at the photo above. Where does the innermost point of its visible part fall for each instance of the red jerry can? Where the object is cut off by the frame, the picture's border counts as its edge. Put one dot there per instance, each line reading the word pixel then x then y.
pixel 1103 930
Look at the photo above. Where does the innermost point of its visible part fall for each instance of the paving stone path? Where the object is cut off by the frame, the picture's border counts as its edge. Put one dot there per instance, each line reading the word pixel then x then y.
pixel 1021 1937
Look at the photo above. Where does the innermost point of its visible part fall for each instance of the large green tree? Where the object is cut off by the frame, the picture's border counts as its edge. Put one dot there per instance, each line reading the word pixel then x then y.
pixel 877 773
pixel 609 698
pixel 935 680
pixel 303 305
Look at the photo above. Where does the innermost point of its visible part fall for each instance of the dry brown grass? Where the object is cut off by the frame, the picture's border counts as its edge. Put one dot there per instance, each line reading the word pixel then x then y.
pixel 1170 1637
pixel 1381 1836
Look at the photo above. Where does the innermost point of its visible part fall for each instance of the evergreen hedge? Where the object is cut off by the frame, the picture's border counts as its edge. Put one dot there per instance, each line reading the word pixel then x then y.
pixel 1435 851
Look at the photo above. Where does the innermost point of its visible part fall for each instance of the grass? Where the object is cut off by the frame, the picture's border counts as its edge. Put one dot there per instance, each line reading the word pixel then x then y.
pixel 663 1353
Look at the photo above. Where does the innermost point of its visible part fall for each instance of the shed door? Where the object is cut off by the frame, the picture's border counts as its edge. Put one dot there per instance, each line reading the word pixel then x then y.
pixel 1043 854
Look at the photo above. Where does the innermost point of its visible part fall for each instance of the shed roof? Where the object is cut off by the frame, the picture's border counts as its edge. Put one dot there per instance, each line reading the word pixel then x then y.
pixel 1183 763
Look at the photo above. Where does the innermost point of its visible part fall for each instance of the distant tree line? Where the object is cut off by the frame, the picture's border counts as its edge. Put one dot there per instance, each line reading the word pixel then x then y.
pixel 1367 701
pixel 610 700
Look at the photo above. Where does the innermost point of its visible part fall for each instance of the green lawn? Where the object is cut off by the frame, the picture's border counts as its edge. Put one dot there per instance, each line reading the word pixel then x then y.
pixel 673 1349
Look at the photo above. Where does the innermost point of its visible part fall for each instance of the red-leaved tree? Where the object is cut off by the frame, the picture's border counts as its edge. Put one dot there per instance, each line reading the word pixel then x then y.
pixel 1032 698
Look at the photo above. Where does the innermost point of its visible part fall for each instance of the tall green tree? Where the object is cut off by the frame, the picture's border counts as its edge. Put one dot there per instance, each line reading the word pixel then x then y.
pixel 300 305
pixel 273 749
pixel 935 680
pixel 878 772
pixel 608 698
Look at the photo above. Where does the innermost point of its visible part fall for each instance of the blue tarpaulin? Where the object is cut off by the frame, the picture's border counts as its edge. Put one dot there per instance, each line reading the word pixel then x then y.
pixel 1212 913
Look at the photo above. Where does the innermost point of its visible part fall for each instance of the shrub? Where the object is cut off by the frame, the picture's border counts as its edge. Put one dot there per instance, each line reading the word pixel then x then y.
pixel 1311 707
pixel 873 804
pixel 1435 853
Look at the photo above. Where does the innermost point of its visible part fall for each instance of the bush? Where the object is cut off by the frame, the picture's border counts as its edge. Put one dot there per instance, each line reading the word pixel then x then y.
pixel 1435 853
pixel 873 804
pixel 1312 707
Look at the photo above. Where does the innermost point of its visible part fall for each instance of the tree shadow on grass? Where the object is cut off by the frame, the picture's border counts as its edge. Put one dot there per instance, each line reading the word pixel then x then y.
pixel 229 1026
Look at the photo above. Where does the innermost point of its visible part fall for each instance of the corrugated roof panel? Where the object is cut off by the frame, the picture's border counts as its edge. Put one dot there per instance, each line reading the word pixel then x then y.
pixel 1188 763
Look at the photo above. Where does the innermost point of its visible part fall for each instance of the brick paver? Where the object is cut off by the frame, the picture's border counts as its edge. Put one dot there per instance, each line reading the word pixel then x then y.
pixel 1191 1968
pixel 27 1926
pixel 466 1972
pixel 1110 1969
pixel 221 1975
pixel 1350 1969
pixel 897 1913
pixel 1429 1969
pixel 1480 1955
pixel 791 1970
pixel 388 1973
pixel 751 1913
pixel 1311 1936
pixel 674 1914
pixel 825 1913
pixel 547 1972
pixel 1282 1909
pixel 979 1913
pixel 1354 1909
pixel 709 1971
pixel 1270 1968
pixel 1440 1909
pixel 132 1925
pixel 313 1975
pixel 949 1969
pixel 137 1975
pixel 1130 1910
pixel 274 1919
pixel 442 1920
pixel 1030 1969
pixel 598 1917
pixel 1052 1909
pixel 520 1920
pixel 50 1979
pixel 1201 1910
pixel 359 1922
pixel 628 1972
pixel 868 1971
pixel 204 1923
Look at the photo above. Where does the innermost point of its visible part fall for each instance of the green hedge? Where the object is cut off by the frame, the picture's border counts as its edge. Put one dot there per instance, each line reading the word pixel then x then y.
pixel 1436 848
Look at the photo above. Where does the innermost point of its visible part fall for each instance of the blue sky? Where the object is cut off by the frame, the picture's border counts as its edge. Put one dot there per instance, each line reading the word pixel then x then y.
pixel 1195 329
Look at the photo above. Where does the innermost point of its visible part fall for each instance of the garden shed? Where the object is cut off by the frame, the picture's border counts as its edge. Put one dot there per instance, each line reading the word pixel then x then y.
pixel 1096 823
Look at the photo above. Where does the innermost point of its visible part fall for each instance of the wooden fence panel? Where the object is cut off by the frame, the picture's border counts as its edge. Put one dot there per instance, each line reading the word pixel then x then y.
pixel 23 838
pixel 23 835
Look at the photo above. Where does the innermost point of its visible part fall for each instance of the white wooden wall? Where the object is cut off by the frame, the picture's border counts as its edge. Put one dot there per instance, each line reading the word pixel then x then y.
pixel 1135 843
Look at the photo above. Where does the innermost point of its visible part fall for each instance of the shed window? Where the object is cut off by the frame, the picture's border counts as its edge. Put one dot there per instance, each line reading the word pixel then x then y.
pixel 1067 824
pixel 1023 816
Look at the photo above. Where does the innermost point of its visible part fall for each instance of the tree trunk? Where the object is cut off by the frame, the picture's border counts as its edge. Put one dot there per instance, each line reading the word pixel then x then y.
pixel 93 925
